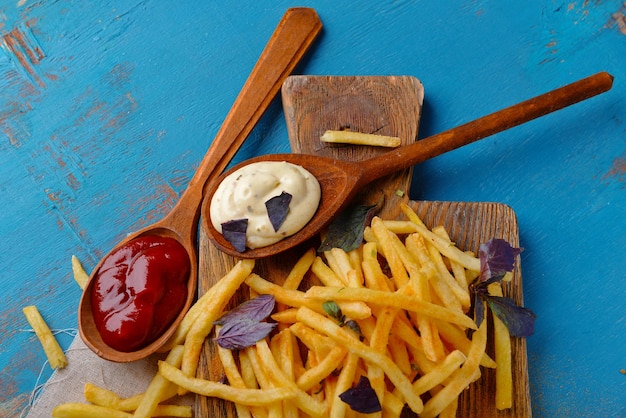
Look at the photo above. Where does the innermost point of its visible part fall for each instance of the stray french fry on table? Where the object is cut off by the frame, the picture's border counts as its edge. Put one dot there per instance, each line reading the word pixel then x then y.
pixel 54 352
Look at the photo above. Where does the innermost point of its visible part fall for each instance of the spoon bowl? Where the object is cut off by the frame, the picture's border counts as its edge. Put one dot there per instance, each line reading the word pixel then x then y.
pixel 341 180
pixel 293 36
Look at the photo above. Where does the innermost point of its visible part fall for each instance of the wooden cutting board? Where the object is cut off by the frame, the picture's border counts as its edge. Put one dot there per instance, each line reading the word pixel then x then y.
pixel 387 106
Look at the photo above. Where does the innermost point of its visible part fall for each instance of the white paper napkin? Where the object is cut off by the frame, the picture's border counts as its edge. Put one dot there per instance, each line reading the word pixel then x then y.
pixel 84 366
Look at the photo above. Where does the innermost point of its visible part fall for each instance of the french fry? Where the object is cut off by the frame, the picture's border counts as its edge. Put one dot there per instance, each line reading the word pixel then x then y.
pixel 80 275
pixel 299 270
pixel 265 381
pixel 372 271
pixel 312 339
pixel 286 316
pixel 378 342
pixel 285 345
pixel 419 284
pixel 338 408
pixel 418 246
pixel 458 340
pixel 343 337
pixel 79 410
pixel 241 269
pixel 399 354
pixel 410 214
pixel 394 299
pixel 54 352
pixel 304 400
pixel 247 370
pixel 323 369
pixel 359 138
pixel 109 399
pixel 234 377
pixel 353 309
pixel 502 344
pixel 340 262
pixel 209 311
pixel 290 297
pixel 439 373
pixel 356 258
pixel 400 227
pixel 103 397
pixel 466 259
pixel 405 331
pixel 408 260
pixel 461 378
pixel 450 410
pixel 180 411
pixel 252 397
pixel 159 388
pixel 261 375
pixel 385 240
pixel 461 294
pixel 326 274
pixel 451 251
pixel 392 405
pixel 374 276
pixel 458 270
pixel 367 327
pixel 283 348
pixel 295 277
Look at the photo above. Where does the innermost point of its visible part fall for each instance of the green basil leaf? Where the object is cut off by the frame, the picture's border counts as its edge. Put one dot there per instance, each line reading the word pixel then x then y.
pixel 346 230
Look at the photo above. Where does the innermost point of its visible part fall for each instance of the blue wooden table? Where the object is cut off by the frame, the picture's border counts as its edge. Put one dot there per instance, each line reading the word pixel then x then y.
pixel 106 109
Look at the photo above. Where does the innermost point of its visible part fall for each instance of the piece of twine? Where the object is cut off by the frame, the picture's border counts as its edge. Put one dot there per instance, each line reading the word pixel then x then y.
pixel 39 387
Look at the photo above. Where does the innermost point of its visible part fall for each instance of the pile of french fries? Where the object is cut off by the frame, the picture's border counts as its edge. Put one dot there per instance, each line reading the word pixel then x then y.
pixel 407 288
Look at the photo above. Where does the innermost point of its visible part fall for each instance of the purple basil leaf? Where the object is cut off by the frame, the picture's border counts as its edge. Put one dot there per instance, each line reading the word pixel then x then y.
pixel 277 209
pixel 354 326
pixel 235 232
pixel 496 258
pixel 520 321
pixel 479 309
pixel 346 231
pixel 362 398
pixel 241 334
pixel 255 310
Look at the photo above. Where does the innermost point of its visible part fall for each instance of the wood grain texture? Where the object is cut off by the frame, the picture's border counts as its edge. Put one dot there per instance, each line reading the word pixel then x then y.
pixel 470 224
pixel 376 105
pixel 390 106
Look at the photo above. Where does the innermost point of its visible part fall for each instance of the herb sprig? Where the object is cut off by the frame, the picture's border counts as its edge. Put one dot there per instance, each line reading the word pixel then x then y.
pixel 245 325
pixel 497 258
pixel 334 311
pixel 362 398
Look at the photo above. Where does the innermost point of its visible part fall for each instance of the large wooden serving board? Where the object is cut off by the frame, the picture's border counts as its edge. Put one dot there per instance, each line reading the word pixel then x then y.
pixel 387 106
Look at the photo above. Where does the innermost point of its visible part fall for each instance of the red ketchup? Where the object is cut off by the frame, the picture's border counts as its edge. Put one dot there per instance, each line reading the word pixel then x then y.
pixel 139 290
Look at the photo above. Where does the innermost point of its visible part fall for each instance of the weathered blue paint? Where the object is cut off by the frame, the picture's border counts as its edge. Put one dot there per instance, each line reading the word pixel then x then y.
pixel 107 107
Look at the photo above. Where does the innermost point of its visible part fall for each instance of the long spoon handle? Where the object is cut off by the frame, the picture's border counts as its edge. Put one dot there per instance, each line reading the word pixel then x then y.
pixel 291 39
pixel 493 123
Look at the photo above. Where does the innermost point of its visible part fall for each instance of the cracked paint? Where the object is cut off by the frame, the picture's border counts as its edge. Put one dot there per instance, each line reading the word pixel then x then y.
pixel 617 170
pixel 618 19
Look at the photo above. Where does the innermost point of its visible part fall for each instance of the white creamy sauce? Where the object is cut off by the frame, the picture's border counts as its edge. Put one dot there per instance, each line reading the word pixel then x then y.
pixel 243 194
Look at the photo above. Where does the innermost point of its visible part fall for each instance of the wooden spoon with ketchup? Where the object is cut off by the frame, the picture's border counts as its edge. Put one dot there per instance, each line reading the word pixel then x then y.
pixel 341 180
pixel 294 34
